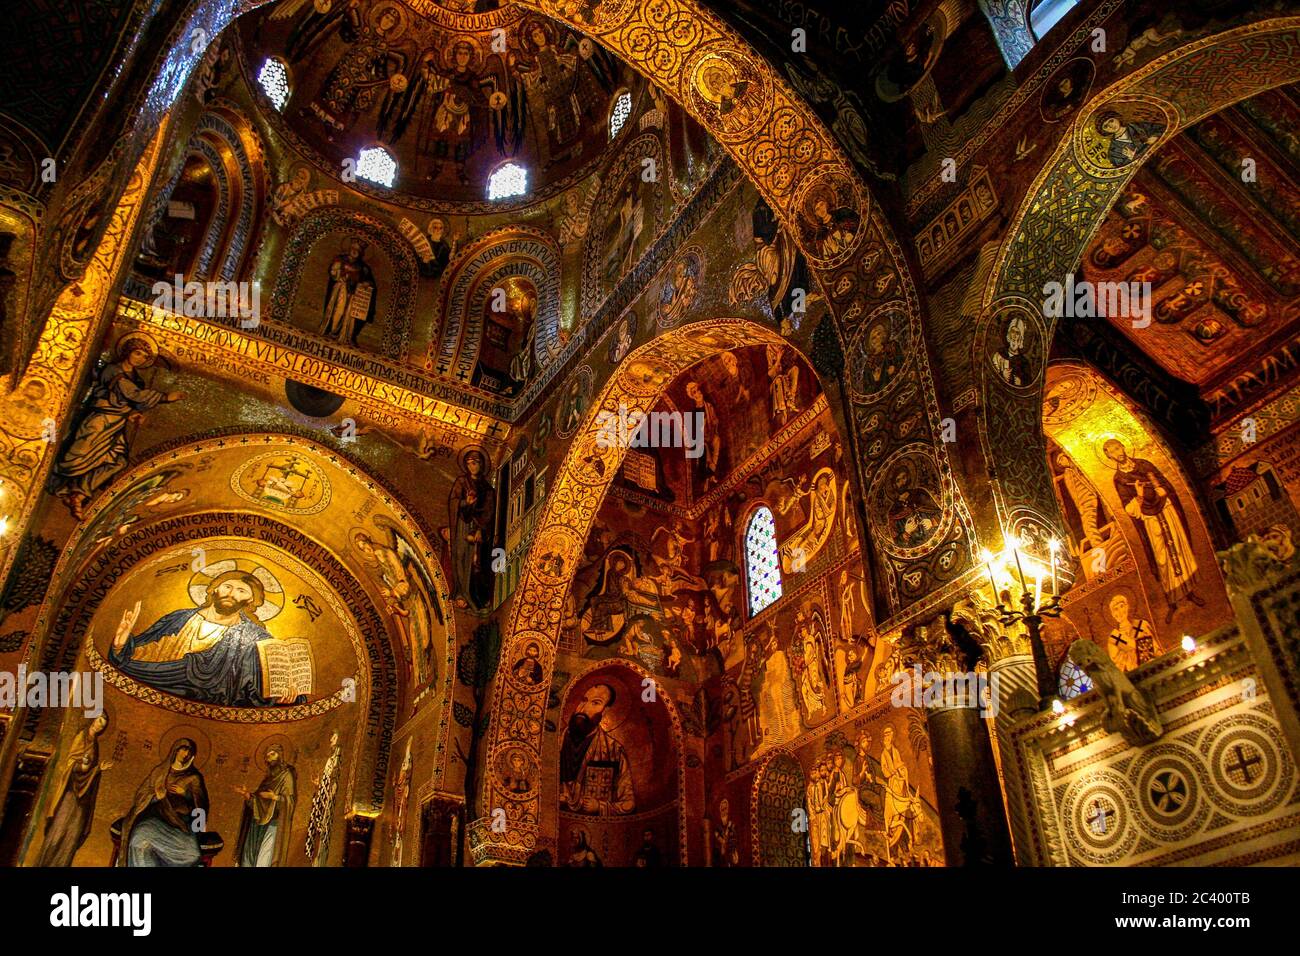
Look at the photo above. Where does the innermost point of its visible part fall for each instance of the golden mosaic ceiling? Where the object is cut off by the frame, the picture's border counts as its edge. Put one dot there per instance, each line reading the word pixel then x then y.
pixel 451 90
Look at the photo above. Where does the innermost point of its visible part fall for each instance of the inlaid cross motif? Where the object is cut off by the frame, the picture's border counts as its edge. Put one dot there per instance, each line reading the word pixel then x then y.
pixel 1239 768
pixel 1097 818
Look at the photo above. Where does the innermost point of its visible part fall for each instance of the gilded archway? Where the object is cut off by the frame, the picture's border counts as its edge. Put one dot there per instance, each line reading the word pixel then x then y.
pixel 519 706
pixel 1063 210
pixel 817 193
pixel 367 591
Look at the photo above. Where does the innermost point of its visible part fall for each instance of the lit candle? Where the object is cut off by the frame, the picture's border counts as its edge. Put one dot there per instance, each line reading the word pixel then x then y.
pixel 1054 546
pixel 1038 590
pixel 987 555
pixel 1019 570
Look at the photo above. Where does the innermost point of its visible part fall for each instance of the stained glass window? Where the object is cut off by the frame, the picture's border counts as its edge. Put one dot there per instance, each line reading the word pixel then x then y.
pixel 377 166
pixel 508 180
pixel 1073 680
pixel 622 110
pixel 762 567
pixel 274 78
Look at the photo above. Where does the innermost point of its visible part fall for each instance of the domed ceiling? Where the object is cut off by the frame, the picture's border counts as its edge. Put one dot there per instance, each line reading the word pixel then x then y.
pixel 451 90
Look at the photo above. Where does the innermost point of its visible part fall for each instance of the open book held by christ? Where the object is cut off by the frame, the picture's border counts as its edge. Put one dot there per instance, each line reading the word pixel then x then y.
pixel 287 668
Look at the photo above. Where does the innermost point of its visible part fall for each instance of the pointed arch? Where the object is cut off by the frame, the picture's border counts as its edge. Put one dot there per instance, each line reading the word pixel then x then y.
pixel 572 503
pixel 819 196
pixel 318 224
pixel 1060 214
pixel 229 249
pixel 1146 537
pixel 573 500
pixel 777 793
pixel 676 734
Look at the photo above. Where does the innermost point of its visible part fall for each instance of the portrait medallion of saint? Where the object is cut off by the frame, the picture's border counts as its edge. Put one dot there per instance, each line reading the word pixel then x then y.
pixel 1068 396
pixel 517 769
pixel 1121 133
pixel 878 355
pixel 556 549
pixel 907 511
pixel 830 216
pixel 529 666
pixel 730 94
pixel 1014 343
pixel 596 455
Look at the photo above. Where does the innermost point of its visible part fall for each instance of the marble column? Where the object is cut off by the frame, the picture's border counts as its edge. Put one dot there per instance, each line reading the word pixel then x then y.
pixel 1013 681
pixel 971 813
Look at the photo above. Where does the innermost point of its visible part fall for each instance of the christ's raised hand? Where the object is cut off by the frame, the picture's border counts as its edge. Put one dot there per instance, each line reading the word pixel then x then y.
pixel 124 627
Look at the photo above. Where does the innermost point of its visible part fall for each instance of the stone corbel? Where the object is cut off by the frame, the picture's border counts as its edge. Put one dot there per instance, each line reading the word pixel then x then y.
pixel 1257 561
pixel 1129 711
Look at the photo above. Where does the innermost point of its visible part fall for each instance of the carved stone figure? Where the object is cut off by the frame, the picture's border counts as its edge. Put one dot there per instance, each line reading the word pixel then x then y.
pixel 1129 712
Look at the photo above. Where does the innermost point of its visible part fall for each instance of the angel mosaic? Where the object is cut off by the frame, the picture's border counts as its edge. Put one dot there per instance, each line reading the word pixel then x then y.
pixel 372 66
pixel 807 542
pixel 100 445
pixel 409 592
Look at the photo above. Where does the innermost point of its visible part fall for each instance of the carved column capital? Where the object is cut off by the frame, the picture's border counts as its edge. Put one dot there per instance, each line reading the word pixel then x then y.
pixel 494 846
pixel 927 645
pixel 981 620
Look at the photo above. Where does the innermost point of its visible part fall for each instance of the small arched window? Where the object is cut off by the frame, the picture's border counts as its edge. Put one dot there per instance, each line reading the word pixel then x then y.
pixel 274 80
pixel 377 166
pixel 762 563
pixel 508 180
pixel 618 115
